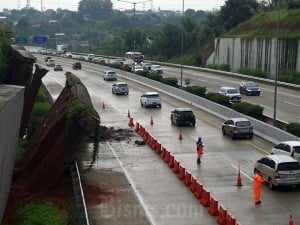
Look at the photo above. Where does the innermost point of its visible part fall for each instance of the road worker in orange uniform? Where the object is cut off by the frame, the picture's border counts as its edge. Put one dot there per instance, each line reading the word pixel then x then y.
pixel 258 180
pixel 199 149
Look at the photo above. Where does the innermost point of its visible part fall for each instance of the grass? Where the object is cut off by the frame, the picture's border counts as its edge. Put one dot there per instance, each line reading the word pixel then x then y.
pixel 264 25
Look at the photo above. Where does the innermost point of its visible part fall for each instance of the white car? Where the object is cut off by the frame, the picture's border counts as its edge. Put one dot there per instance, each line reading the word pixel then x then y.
pixel 156 69
pixel 110 75
pixel 232 93
pixel 50 62
pixel 137 68
pixel 291 148
pixel 150 99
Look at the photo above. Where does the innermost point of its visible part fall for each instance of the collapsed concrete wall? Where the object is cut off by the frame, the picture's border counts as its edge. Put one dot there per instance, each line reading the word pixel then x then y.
pixel 256 53
pixel 11 105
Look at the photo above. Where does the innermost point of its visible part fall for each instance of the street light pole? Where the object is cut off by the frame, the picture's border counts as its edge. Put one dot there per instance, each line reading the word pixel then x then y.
pixel 181 60
pixel 277 62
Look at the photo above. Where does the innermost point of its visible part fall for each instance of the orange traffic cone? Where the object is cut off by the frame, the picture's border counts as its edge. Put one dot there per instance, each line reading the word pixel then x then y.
pixel 130 123
pixel 180 135
pixel 128 114
pixel 103 105
pixel 151 121
pixel 239 179
pixel 291 221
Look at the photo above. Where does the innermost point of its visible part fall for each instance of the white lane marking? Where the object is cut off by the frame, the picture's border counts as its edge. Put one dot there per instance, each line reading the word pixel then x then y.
pixel 291 103
pixel 151 220
pixel 242 172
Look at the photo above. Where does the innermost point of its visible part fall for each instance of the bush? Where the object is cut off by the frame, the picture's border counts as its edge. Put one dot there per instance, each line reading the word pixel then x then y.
pixel 293 128
pixel 154 76
pixel 289 76
pixel 172 81
pixel 255 111
pixel 218 98
pixel 38 113
pixel 223 67
pixel 143 73
pixel 45 213
pixel 196 90
pixel 256 72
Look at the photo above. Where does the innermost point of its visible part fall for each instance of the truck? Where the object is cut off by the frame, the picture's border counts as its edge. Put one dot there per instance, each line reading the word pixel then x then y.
pixel 60 49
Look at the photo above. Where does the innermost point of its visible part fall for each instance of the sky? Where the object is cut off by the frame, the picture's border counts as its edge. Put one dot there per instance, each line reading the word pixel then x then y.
pixel 207 5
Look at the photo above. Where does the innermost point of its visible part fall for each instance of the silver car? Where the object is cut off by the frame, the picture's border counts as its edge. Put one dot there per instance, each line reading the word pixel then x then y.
pixel 120 88
pixel 237 127
pixel 279 170
pixel 291 148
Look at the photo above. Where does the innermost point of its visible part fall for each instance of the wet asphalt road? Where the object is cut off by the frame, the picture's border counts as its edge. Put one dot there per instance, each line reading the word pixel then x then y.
pixel 158 192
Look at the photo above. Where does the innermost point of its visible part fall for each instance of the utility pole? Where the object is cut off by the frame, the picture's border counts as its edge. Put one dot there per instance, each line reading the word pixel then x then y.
pixel 181 60
pixel 277 66
pixel 134 24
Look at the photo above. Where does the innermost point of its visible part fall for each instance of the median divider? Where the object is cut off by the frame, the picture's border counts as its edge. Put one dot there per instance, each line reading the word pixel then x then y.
pixel 163 152
pixel 222 218
pixel 187 179
pixel 205 198
pixel 214 207
pixel 176 166
pixel 230 219
pixel 158 148
pixel 181 174
pixel 193 184
pixel 167 156
pixel 171 161
pixel 199 191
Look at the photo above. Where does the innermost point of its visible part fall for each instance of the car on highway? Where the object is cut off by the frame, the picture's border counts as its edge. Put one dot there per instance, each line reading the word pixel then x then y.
pixel 291 148
pixel 232 93
pixel 120 88
pixel 147 66
pixel 137 68
pixel 98 60
pixel 183 117
pixel 279 170
pixel 76 66
pixel 237 127
pixel 58 67
pixel 47 57
pixel 150 99
pixel 50 62
pixel 156 69
pixel 109 75
pixel 249 88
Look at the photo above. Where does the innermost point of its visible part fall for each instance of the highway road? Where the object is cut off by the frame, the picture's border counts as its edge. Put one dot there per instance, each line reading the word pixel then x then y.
pixel 288 100
pixel 218 170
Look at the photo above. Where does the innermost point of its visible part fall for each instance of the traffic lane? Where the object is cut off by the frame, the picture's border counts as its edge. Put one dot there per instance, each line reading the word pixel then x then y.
pixel 285 97
pixel 186 147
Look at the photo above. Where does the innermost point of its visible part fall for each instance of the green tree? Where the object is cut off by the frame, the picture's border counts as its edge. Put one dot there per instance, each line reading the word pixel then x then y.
pixel 95 9
pixel 235 12
pixel 6 36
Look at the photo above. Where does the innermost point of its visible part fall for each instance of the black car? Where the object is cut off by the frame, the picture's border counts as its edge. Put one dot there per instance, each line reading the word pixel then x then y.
pixel 76 66
pixel 249 88
pixel 183 117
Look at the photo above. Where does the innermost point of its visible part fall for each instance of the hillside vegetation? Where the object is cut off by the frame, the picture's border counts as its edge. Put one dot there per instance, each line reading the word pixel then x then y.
pixel 263 24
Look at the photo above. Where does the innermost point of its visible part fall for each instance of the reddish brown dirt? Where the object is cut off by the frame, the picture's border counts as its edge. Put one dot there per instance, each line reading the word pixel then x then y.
pixel 62 192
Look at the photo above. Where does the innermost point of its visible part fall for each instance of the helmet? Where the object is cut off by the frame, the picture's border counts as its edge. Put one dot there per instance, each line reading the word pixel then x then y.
pixel 199 138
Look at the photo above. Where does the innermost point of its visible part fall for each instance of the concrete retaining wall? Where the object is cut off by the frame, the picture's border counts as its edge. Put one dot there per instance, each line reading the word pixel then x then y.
pixel 11 105
pixel 256 53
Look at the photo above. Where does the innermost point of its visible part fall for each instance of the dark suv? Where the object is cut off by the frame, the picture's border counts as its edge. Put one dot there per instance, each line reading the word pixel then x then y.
pixel 76 66
pixel 183 117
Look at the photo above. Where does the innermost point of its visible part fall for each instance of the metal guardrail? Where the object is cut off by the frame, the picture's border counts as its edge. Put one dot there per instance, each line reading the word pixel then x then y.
pixel 82 215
